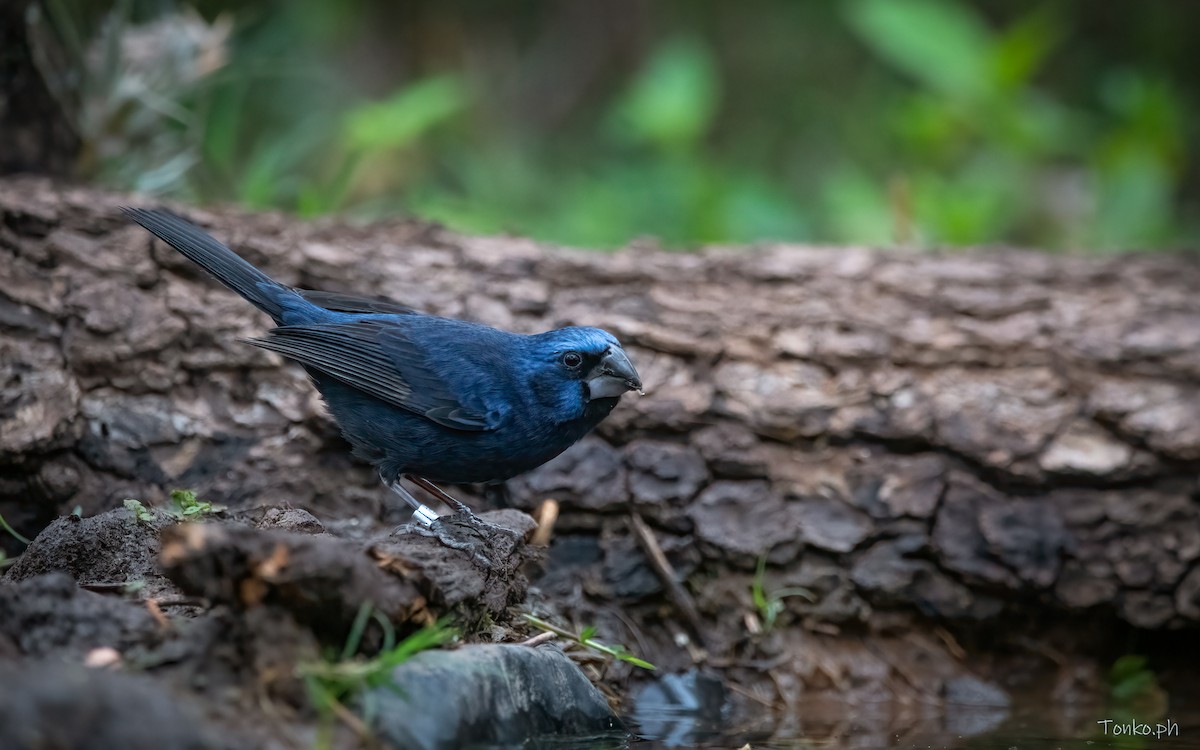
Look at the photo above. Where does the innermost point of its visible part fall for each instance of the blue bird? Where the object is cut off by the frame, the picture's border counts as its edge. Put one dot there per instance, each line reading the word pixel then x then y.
pixel 421 397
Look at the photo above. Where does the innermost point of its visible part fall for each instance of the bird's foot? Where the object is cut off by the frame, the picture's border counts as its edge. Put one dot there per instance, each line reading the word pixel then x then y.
pixel 469 534
pixel 462 530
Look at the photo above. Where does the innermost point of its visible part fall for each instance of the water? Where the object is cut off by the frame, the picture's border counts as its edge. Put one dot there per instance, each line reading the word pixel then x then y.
pixel 865 728
pixel 861 728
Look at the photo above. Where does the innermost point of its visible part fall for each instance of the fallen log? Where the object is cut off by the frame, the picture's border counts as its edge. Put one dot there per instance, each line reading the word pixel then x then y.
pixel 913 440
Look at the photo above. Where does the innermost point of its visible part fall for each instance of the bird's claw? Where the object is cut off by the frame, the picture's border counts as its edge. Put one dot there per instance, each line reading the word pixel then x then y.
pixel 458 532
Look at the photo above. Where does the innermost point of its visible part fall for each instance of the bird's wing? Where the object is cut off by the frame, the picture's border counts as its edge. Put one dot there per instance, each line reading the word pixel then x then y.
pixel 378 359
pixel 353 303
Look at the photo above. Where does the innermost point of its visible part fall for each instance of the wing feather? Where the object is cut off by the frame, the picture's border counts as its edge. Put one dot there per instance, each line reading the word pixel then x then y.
pixel 378 359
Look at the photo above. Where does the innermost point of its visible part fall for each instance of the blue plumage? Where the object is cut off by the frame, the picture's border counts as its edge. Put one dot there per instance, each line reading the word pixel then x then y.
pixel 438 399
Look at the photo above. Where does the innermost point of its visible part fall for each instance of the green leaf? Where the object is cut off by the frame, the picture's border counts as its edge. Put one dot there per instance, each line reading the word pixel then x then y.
pixel 672 100
pixel 635 661
pixel 944 45
pixel 185 505
pixel 13 532
pixel 1133 209
pixel 141 514
pixel 1020 51
pixel 405 116
pixel 857 208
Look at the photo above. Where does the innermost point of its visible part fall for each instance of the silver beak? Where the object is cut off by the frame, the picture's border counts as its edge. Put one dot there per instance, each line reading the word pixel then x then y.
pixel 613 375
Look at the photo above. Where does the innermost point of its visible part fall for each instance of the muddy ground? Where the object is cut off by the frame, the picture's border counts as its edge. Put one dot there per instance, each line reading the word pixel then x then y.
pixel 976 476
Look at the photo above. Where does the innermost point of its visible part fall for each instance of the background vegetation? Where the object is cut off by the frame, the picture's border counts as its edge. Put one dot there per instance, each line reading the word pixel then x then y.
pixel 1068 124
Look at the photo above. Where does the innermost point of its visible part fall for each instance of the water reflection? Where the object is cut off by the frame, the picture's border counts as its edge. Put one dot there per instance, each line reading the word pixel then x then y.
pixel 948 727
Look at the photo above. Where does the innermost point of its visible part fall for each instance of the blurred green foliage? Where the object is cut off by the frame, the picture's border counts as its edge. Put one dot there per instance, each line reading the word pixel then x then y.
pixel 919 123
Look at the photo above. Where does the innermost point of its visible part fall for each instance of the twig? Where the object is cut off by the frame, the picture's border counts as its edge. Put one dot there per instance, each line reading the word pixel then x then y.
pixel 357 725
pixel 157 613
pixel 761 701
pixel 675 590
pixel 547 514
pixel 539 639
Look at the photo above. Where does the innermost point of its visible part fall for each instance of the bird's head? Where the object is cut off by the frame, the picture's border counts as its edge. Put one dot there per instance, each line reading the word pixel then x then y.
pixel 581 370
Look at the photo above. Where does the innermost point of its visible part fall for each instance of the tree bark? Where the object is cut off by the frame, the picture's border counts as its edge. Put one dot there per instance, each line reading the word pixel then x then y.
pixel 910 438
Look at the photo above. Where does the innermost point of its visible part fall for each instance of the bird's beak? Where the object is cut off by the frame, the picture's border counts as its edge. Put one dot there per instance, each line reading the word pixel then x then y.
pixel 613 375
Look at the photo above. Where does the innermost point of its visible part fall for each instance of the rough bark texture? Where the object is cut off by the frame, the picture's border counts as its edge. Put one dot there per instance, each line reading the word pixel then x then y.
pixel 921 437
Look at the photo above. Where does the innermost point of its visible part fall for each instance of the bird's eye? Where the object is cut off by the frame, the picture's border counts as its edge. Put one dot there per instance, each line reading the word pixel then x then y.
pixel 572 360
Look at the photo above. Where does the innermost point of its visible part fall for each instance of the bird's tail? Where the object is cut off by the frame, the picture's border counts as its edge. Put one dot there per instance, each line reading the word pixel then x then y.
pixel 227 266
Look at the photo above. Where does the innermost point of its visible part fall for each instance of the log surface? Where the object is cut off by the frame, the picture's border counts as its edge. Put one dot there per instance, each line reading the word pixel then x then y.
pixel 948 435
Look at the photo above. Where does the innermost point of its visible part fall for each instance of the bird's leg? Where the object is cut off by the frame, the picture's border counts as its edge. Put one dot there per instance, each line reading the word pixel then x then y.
pixel 421 512
pixel 440 494
pixel 460 508
pixel 455 535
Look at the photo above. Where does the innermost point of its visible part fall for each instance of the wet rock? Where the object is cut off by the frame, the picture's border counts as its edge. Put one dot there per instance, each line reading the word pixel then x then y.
pixel 974 706
pixel 680 710
pixel 489 695
pixel 972 691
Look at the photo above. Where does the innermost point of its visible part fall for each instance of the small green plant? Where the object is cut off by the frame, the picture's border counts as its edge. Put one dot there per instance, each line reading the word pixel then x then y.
pixel 5 560
pixel 587 639
pixel 13 532
pixel 186 506
pixel 1134 685
pixel 770 603
pixel 337 680
pixel 141 514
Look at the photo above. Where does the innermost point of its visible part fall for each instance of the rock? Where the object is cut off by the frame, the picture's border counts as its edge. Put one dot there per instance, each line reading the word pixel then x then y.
pixel 680 710
pixel 109 548
pixel 489 695
pixel 48 616
pixel 974 706
pixel 64 706
pixel 291 519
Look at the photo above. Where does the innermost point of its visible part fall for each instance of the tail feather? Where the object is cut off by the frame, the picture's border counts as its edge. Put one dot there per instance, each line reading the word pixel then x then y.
pixel 227 266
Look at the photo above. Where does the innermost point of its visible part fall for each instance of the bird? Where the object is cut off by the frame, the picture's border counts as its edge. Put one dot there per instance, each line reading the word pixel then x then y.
pixel 428 399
